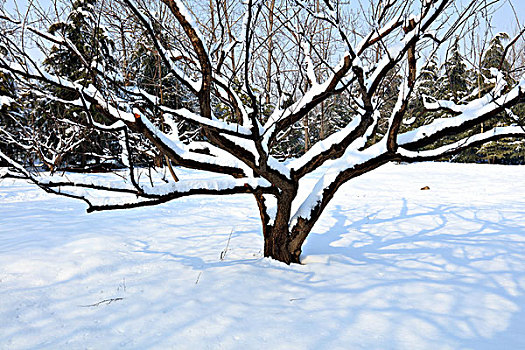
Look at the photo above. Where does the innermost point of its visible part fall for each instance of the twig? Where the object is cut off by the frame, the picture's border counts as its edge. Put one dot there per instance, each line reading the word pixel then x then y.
pixel 223 253
pixel 108 301
pixel 198 277
pixel 294 299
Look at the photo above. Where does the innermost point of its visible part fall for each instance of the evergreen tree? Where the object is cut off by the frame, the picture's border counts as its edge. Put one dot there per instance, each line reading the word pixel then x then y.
pixel 8 107
pixel 83 30
pixel 504 151
pixel 494 57
pixel 148 72
pixel 455 84
pixel 427 85
pixel 152 75
pixel 428 78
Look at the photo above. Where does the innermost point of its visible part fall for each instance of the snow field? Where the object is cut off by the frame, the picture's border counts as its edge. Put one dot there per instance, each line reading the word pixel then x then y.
pixel 389 266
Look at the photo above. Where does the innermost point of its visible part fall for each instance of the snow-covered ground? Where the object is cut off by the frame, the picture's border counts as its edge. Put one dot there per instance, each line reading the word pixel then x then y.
pixel 389 267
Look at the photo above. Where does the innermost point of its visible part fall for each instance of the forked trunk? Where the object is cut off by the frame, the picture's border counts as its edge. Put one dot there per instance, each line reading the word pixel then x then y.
pixel 278 245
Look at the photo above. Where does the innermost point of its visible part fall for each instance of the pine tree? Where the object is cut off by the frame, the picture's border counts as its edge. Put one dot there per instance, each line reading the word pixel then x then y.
pixel 455 83
pixel 83 30
pixel 151 74
pixel 494 57
pixel 148 72
pixel 8 107
pixel 428 77
pixel 425 86
pixel 504 151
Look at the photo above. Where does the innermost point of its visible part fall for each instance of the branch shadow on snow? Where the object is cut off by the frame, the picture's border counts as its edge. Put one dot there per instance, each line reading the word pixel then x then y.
pixel 396 276
pixel 438 272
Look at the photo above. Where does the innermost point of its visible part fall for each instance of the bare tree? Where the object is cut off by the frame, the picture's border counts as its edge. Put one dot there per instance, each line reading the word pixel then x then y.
pixel 221 70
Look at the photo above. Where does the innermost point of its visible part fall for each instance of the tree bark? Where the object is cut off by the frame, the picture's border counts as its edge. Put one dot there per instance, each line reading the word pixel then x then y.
pixel 278 240
pixel 278 245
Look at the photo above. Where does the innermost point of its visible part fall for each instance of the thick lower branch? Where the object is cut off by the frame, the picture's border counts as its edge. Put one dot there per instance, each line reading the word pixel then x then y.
pixel 303 227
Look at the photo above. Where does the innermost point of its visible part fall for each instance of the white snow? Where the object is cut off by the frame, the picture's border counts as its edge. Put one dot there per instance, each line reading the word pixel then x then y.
pixel 388 267
pixel 279 166
pixel 6 101
pixel 215 184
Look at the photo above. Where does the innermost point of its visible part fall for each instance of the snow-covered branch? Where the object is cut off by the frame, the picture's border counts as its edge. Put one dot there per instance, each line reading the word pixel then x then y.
pixel 469 115
pixel 494 134
pixel 283 118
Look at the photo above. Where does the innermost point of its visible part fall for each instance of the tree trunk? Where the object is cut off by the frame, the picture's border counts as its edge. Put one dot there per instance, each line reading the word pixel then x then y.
pixel 278 245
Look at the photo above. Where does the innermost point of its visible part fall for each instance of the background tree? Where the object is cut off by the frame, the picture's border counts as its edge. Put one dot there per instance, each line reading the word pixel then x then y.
pixel 428 84
pixel 88 49
pixel 455 83
pixel 506 151
pixel 8 118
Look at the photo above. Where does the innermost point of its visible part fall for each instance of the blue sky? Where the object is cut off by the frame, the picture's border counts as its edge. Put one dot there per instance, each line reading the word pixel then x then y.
pixel 504 20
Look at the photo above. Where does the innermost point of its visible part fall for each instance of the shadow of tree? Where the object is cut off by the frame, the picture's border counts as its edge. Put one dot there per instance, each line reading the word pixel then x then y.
pixel 455 271
pixel 377 275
